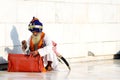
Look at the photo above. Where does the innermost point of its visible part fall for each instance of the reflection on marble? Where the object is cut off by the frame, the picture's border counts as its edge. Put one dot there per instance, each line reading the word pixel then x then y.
pixel 94 70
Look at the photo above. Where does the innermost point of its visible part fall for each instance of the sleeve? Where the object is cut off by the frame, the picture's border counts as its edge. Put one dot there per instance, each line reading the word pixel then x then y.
pixel 47 49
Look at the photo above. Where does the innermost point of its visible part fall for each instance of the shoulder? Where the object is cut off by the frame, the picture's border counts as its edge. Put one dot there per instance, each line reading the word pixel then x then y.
pixel 46 36
pixel 42 34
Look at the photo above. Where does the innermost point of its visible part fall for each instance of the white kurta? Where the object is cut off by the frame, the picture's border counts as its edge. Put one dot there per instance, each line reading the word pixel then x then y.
pixel 46 52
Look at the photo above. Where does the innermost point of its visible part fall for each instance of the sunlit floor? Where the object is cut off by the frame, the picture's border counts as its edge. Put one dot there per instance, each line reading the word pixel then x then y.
pixel 94 70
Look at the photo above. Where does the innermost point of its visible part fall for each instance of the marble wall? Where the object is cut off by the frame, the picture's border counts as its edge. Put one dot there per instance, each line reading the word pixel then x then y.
pixel 78 26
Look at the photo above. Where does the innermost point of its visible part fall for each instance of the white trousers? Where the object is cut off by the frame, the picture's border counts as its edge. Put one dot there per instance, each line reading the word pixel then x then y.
pixel 51 57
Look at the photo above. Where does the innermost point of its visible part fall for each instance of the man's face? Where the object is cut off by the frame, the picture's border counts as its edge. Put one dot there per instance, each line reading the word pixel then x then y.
pixel 35 33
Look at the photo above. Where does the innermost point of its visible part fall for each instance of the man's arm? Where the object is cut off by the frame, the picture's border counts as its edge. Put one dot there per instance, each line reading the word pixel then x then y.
pixel 25 47
pixel 47 48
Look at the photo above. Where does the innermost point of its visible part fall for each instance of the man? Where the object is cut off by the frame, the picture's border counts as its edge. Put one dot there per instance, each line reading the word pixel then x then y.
pixel 40 44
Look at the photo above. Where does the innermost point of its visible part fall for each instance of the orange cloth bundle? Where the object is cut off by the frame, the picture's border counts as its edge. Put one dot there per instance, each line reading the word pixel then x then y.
pixel 25 63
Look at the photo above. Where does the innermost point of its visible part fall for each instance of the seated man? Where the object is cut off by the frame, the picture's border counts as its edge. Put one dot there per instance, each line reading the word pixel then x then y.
pixel 39 43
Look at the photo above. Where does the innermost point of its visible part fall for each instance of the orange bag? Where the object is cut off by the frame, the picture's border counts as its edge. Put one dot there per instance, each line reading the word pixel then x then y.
pixel 25 63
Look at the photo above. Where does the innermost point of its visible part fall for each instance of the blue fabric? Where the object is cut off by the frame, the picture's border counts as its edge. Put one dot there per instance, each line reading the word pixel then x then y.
pixel 34 22
pixel 36 29
pixel 37 22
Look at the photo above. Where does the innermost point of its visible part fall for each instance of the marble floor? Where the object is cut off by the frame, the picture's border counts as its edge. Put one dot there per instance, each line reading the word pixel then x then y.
pixel 93 70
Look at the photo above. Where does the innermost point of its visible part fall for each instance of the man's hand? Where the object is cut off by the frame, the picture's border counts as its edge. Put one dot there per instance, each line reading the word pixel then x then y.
pixel 34 53
pixel 24 45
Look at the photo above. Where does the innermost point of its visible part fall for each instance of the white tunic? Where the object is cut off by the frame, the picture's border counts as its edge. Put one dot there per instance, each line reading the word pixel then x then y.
pixel 46 52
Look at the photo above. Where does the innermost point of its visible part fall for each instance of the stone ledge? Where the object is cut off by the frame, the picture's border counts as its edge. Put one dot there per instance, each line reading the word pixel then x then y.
pixel 90 58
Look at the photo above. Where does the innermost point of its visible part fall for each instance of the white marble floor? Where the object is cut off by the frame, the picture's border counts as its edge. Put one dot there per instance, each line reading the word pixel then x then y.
pixel 94 70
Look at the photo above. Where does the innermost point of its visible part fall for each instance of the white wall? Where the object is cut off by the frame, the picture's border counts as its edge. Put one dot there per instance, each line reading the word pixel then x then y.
pixel 78 26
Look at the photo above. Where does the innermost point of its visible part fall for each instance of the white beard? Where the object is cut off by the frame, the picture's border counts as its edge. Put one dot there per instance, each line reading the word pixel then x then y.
pixel 36 39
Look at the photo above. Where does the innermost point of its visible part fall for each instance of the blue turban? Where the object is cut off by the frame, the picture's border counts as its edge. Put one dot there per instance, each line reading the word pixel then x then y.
pixel 35 25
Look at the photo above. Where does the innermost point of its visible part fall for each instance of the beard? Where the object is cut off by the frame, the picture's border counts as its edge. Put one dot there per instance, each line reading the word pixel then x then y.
pixel 36 38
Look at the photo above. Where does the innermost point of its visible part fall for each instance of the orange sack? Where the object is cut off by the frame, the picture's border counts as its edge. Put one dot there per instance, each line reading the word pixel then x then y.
pixel 25 63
